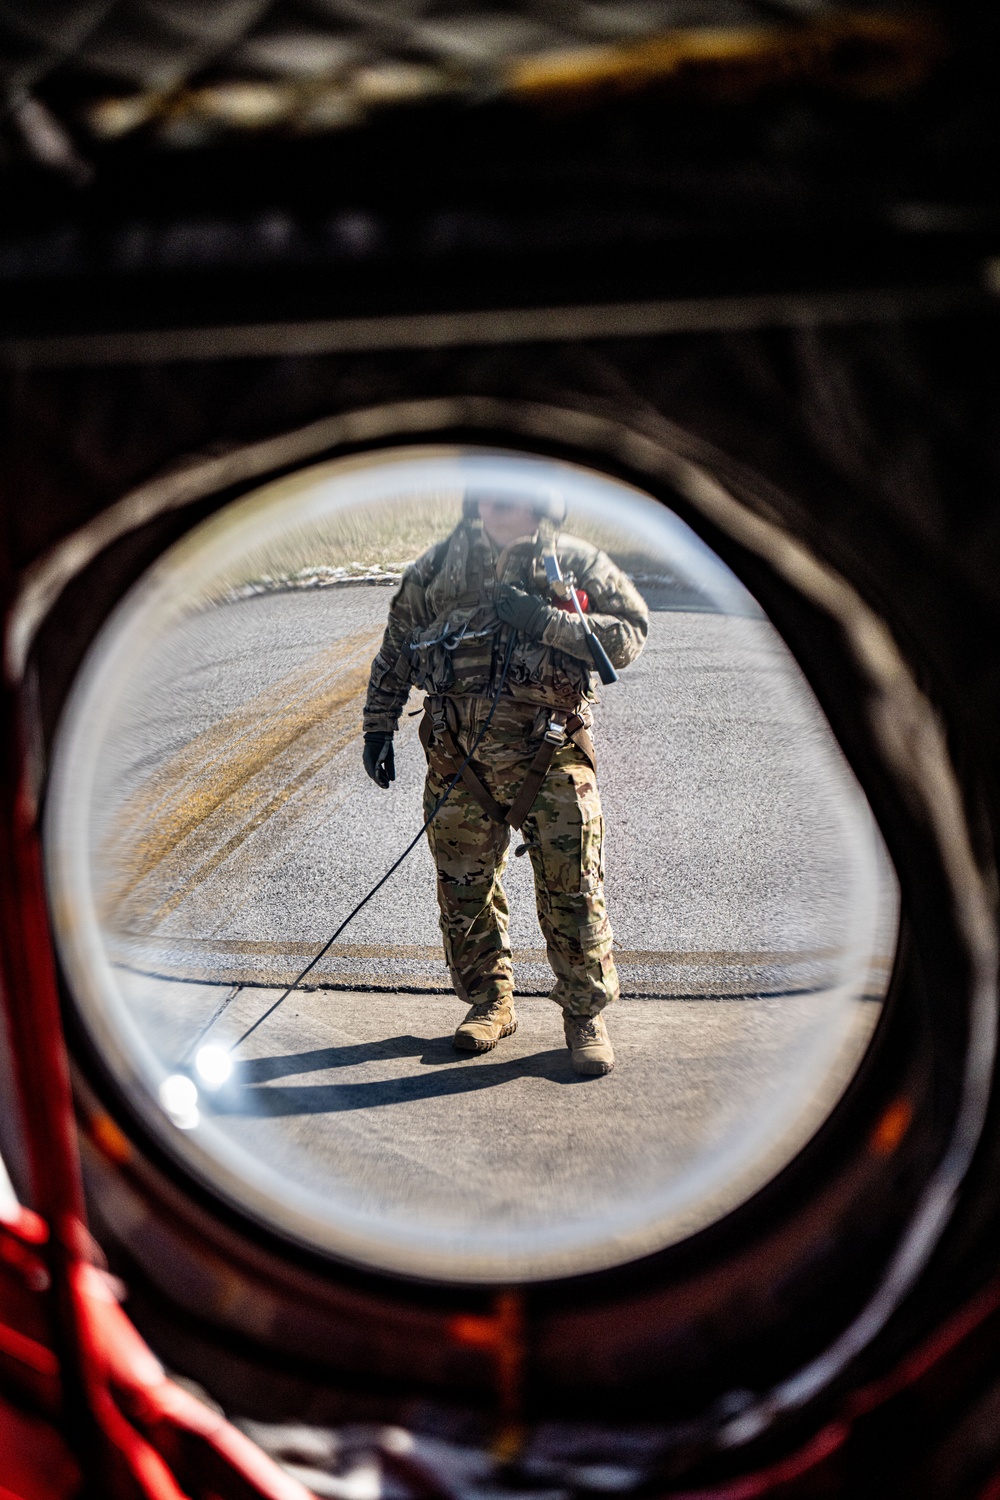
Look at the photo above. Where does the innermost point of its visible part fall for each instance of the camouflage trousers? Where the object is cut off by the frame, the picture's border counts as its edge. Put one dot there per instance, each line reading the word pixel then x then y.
pixel 564 834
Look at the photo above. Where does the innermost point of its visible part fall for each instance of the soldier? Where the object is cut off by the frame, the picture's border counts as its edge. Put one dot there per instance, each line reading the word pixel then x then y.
pixel 449 633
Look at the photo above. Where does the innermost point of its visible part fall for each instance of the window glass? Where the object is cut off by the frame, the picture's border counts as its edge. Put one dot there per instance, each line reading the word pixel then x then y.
pixel 211 824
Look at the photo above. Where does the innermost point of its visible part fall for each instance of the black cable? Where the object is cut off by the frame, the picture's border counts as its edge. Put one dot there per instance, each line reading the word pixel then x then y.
pixel 392 868
pixel 203 1033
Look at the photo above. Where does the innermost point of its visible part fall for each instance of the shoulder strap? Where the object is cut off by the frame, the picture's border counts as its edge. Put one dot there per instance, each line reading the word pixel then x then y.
pixel 438 553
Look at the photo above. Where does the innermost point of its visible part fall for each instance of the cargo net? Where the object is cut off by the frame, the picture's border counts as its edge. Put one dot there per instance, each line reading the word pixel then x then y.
pixel 190 74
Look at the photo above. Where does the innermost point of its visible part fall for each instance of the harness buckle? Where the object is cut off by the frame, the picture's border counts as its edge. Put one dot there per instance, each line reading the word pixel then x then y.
pixel 556 732
pixel 437 712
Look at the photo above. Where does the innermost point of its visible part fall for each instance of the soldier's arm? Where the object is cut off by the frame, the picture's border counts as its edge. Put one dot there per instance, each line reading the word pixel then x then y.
pixel 388 682
pixel 616 610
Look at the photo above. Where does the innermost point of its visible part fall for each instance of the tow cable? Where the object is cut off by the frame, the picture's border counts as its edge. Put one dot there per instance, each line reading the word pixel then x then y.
pixel 232 1048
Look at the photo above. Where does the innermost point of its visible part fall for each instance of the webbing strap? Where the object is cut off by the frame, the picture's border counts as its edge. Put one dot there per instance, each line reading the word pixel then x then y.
pixel 532 783
pixel 454 757
pixel 537 771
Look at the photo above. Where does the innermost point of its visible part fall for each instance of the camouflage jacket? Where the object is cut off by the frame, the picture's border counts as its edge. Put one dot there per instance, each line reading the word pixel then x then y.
pixel 444 635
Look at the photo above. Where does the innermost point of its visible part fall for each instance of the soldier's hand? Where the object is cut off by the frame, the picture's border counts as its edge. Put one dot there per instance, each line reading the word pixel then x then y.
pixel 528 613
pixel 380 759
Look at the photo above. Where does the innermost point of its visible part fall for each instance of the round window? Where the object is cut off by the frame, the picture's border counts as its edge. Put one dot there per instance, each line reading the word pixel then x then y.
pixel 616 984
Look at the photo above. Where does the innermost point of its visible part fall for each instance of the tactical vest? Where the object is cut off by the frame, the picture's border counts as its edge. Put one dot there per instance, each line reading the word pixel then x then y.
pixel 461 651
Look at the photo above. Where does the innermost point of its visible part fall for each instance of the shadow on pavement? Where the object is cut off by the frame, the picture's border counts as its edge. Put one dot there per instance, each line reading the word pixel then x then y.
pixel 261 1069
pixel 334 1098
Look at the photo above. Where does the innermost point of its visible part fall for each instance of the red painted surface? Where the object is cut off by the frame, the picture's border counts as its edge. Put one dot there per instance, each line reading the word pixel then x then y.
pixel 35 1461
pixel 567 604
pixel 103 1405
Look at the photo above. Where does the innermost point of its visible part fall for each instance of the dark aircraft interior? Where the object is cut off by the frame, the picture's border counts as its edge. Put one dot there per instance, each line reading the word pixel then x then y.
pixel 738 258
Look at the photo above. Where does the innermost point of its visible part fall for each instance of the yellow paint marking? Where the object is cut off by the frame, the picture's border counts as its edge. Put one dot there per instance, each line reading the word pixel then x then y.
pixel 195 810
pixel 300 948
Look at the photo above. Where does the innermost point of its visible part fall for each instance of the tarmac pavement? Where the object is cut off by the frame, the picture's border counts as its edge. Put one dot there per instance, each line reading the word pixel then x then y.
pixel 368 1133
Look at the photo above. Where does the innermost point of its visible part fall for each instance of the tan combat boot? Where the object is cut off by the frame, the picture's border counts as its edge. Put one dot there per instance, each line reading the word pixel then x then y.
pixel 485 1025
pixel 589 1044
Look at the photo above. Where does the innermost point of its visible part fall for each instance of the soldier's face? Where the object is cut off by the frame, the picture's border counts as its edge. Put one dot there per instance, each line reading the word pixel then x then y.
pixel 505 523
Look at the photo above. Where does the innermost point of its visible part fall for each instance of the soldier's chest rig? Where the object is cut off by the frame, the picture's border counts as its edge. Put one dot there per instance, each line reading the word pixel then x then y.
pixel 466 648
pixel 460 652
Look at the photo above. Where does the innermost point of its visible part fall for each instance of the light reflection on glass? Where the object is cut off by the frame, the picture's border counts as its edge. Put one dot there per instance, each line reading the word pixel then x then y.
pixel 179 1098
pixel 214 1065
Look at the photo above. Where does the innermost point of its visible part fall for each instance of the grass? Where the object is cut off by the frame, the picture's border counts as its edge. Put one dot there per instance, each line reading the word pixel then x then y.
pixel 385 536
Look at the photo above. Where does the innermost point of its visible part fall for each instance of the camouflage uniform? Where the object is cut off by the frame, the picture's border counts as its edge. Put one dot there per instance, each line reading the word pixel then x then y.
pixel 444 636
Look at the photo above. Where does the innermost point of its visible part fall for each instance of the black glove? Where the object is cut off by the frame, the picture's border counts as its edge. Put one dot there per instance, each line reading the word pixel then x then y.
pixel 379 758
pixel 528 613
